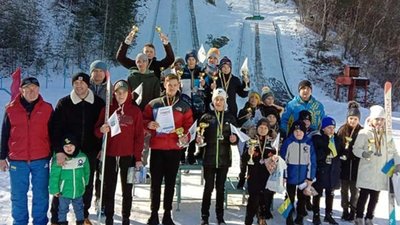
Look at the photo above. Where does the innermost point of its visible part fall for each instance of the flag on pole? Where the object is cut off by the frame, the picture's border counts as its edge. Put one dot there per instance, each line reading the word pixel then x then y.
pixel 285 208
pixel 192 131
pixel 242 136
pixel 389 168
pixel 201 54
pixel 139 92
pixel 16 82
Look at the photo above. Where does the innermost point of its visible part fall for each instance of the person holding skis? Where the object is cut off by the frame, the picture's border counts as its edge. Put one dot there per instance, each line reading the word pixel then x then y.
pixel 348 133
pixel 166 147
pixel 373 150
pixel 25 151
pixel 216 154
pixel 68 182
pixel 123 150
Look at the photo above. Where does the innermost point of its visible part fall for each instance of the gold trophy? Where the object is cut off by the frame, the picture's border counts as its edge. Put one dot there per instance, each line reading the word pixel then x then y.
pixel 200 132
pixel 371 142
pixel 135 29
pixel 245 74
pixel 201 76
pixel 252 143
pixel 348 140
pixel 158 29
pixel 179 73
pixel 179 131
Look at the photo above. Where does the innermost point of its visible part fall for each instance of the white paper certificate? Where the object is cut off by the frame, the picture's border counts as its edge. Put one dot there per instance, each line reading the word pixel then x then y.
pixel 187 87
pixel 165 118
pixel 113 122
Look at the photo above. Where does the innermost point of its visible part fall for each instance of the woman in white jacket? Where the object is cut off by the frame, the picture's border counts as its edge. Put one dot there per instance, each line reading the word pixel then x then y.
pixel 372 147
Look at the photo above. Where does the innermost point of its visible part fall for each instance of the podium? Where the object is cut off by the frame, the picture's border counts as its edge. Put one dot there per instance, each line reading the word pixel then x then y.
pixel 352 81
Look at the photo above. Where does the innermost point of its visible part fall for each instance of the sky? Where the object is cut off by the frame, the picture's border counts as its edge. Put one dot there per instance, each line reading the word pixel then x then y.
pixel 224 19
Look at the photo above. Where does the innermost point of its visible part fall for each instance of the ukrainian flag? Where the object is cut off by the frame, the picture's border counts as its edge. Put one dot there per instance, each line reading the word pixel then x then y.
pixel 285 208
pixel 389 168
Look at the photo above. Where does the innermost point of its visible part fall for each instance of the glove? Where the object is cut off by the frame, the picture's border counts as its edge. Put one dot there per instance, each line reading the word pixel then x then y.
pixel 366 154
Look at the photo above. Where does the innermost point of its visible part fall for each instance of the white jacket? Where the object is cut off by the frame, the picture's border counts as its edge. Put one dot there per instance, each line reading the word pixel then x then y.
pixel 370 175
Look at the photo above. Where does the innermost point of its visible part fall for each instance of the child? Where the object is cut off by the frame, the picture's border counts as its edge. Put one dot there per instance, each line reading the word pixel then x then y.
pixel 268 99
pixel 370 146
pixel 217 154
pixel 348 133
pixel 260 199
pixel 328 148
pixel 298 152
pixel 68 182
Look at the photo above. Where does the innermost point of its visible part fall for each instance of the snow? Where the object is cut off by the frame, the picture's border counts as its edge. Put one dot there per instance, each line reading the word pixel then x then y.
pixel 226 19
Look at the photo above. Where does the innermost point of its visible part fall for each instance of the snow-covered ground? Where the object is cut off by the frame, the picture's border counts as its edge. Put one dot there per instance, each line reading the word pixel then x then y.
pixel 226 19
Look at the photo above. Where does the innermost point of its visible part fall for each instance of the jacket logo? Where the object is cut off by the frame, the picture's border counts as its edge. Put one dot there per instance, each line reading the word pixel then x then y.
pixel 80 162
pixel 305 149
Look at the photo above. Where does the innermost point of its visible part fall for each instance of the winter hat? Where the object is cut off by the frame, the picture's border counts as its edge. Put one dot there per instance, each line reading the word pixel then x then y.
pixel 70 139
pixel 305 115
pixel 304 83
pixel 376 111
pixel 327 121
pixel 263 121
pixel 29 80
pixel 219 92
pixel 193 54
pixel 266 92
pixel 298 125
pixel 213 52
pixel 352 109
pixel 121 84
pixel 141 56
pixel 179 60
pixel 224 61
pixel 268 110
pixel 81 76
pixel 98 64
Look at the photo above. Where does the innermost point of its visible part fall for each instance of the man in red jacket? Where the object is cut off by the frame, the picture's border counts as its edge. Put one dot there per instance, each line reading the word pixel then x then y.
pixel 165 152
pixel 25 144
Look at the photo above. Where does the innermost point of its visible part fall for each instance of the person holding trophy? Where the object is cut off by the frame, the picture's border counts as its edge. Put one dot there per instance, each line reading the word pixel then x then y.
pixel 216 153
pixel 168 119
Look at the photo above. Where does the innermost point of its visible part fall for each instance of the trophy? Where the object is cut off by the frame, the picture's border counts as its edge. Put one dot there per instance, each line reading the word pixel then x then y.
pixel 371 142
pixel 158 29
pixel 378 146
pixel 134 29
pixel 179 131
pixel 252 143
pixel 201 76
pixel 348 140
pixel 244 70
pixel 179 73
pixel 200 132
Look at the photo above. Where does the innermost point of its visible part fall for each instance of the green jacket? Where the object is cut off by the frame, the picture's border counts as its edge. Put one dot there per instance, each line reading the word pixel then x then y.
pixel 151 85
pixel 71 179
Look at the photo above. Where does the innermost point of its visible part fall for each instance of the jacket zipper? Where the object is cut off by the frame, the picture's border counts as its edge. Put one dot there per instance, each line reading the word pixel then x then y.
pixel 74 183
pixel 83 124
pixel 298 172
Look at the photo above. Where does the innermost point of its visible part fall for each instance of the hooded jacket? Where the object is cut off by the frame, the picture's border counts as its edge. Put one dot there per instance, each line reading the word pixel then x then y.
pixel 131 139
pixel 150 84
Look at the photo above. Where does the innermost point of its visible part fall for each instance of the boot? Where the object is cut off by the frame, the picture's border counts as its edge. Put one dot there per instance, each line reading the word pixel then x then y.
pixel 289 219
pixel 316 220
pixel 345 214
pixel 351 216
pixel 328 218
pixel 204 220
pixel 153 220
pixel 369 222
pixel 299 220
pixel 126 221
pixel 308 203
pixel 221 221
pixel 109 221
pixel 359 221
pixel 167 220
pixel 262 222
pixel 79 222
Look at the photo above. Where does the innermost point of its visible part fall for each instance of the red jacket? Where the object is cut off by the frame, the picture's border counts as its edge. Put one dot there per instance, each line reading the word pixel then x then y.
pixel 182 118
pixel 130 141
pixel 29 135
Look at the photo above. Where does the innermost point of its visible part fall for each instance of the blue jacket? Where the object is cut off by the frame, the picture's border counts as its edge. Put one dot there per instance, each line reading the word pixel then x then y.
pixel 300 159
pixel 296 105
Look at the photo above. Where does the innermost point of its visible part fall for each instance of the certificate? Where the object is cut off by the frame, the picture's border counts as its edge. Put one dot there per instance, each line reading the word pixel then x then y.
pixel 187 87
pixel 165 118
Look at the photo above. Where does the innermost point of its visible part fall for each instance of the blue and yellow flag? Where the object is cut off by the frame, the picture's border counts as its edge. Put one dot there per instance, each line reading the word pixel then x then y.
pixel 285 208
pixel 389 168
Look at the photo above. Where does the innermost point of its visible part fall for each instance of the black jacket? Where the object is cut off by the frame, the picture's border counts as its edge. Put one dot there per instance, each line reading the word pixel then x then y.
pixel 217 153
pixel 328 175
pixel 350 165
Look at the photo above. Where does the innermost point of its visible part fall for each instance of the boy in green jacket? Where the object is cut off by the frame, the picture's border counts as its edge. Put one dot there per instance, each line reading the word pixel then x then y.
pixel 68 181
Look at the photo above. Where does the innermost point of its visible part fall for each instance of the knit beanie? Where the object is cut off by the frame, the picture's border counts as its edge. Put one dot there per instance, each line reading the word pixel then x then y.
pixel 141 56
pixel 81 76
pixel 70 139
pixel 179 60
pixel 219 92
pixel 352 109
pixel 121 84
pixel 298 125
pixel 376 111
pixel 327 121
pixel 98 64
pixel 193 54
pixel 213 52
pixel 224 61
pixel 263 121
pixel 271 110
pixel 305 115
pixel 304 83
pixel 266 92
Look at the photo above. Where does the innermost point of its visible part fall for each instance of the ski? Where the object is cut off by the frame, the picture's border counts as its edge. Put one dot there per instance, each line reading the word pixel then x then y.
pixel 389 142
pixel 104 145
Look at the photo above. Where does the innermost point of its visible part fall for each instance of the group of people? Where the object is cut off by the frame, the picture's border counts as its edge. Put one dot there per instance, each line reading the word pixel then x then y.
pixel 58 151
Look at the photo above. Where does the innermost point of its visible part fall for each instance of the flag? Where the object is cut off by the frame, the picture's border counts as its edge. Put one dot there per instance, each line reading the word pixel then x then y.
pixel 389 168
pixel 16 82
pixel 139 92
pixel 201 54
pixel 192 131
pixel 242 136
pixel 285 208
